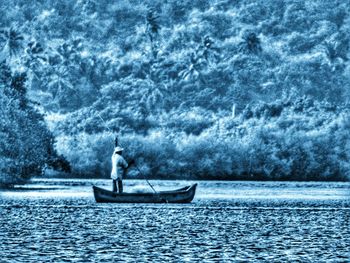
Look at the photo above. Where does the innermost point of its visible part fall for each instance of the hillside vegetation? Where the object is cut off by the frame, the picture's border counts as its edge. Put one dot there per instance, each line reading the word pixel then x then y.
pixel 193 89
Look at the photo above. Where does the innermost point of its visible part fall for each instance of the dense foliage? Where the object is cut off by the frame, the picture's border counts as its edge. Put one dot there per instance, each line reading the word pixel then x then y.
pixel 26 145
pixel 195 89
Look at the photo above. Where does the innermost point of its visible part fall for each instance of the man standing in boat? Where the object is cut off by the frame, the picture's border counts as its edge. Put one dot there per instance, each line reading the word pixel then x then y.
pixel 119 167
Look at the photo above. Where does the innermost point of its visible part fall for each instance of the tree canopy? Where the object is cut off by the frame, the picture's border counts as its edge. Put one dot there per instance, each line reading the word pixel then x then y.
pixel 252 84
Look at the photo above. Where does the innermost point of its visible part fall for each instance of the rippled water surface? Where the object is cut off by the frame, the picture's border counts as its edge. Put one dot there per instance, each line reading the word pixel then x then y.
pixel 58 221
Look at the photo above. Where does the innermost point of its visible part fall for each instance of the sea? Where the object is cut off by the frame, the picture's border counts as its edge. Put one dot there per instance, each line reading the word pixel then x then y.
pixel 58 220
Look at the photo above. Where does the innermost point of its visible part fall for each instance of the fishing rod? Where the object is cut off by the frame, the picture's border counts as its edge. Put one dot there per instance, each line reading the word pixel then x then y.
pixel 104 123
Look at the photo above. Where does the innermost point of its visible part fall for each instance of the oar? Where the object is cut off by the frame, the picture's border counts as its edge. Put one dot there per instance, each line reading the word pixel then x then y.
pixel 138 169
pixel 145 179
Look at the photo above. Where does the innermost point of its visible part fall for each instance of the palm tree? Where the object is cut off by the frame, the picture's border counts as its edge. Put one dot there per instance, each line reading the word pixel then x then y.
pixel 205 53
pixel 251 43
pixel 12 39
pixel 35 56
pixel 59 82
pixel 152 30
pixel 152 24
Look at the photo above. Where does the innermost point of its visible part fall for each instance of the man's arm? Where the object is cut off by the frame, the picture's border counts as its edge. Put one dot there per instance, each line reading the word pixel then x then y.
pixel 123 163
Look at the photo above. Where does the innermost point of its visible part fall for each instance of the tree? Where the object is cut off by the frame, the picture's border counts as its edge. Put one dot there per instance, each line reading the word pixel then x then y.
pixel 12 39
pixel 26 143
pixel 205 53
pixel 152 30
pixel 251 43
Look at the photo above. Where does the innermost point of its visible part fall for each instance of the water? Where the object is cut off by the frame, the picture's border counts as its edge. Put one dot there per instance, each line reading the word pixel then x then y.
pixel 59 221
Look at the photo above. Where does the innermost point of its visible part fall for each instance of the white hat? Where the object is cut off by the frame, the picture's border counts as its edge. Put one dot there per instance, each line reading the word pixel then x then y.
pixel 118 149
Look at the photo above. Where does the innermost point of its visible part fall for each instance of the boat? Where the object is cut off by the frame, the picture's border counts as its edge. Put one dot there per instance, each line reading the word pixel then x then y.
pixel 182 195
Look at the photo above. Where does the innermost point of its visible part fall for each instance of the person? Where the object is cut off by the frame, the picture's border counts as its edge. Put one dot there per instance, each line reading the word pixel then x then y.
pixel 119 167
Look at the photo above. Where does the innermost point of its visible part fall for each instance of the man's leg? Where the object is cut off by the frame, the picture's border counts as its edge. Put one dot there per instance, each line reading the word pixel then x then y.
pixel 114 185
pixel 120 185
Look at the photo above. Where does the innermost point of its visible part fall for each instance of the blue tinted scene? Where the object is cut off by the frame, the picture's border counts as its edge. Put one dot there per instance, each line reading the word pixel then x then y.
pixel 174 131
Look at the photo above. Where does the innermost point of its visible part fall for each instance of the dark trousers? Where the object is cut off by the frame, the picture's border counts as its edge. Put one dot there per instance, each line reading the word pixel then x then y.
pixel 120 185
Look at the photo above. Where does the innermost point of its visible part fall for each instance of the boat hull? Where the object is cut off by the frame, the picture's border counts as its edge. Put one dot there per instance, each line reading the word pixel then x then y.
pixel 183 195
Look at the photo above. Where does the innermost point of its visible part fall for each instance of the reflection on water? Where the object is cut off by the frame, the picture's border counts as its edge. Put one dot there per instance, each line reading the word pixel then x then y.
pixel 58 220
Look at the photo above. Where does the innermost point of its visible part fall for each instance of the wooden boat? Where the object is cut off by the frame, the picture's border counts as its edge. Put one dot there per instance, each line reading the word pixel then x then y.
pixel 182 195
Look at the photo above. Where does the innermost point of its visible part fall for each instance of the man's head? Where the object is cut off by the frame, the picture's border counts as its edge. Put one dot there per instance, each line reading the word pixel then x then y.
pixel 118 150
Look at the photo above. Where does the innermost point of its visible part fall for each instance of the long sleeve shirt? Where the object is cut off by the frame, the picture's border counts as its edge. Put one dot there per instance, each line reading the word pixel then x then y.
pixel 118 166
